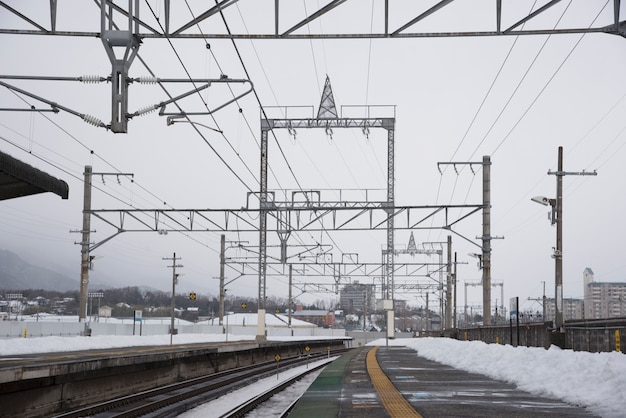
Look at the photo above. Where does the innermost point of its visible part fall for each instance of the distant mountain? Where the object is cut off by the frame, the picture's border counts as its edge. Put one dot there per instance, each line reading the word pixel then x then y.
pixel 17 274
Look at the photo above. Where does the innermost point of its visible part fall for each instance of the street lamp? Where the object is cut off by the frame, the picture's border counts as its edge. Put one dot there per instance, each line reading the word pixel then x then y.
pixel 555 218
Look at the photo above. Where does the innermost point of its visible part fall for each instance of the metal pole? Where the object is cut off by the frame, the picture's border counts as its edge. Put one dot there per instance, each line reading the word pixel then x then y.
pixel 427 314
pixel 486 240
pixel 543 310
pixel 289 304
pixel 365 310
pixel 558 254
pixel 222 290
pixel 84 250
pixel 465 307
pixel 517 318
pixel 260 334
pixel 448 320
pixel 454 284
pixel 173 296
pixel 174 280
pixel 390 230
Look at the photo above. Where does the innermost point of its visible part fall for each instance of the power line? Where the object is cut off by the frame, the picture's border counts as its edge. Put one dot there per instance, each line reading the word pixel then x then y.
pixel 548 82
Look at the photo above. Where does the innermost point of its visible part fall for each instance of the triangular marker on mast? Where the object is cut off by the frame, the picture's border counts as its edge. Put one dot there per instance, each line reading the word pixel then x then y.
pixel 327 109
pixel 411 248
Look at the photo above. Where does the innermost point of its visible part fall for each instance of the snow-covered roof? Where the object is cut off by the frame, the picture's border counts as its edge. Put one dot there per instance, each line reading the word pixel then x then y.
pixel 311 312
pixel 44 317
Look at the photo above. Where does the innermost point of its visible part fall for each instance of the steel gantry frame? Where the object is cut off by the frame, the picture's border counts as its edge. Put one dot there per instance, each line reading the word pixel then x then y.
pixel 279 28
pixel 124 29
pixel 327 118
pixel 499 21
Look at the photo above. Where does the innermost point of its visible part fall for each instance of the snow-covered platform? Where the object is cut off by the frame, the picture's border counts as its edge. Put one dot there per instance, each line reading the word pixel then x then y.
pixel 346 389
pixel 41 384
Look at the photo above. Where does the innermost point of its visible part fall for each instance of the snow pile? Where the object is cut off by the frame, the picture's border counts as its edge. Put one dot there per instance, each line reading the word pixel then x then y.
pixel 593 380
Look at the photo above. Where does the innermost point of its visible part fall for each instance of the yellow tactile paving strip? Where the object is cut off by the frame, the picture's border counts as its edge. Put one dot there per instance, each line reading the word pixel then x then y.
pixel 395 404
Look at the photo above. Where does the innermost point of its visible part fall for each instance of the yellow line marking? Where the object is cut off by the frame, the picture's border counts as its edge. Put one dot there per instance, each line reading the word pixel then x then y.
pixel 395 404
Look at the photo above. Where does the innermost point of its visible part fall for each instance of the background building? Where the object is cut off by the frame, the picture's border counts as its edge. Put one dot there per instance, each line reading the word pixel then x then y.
pixel 357 298
pixel 603 299
pixel 572 309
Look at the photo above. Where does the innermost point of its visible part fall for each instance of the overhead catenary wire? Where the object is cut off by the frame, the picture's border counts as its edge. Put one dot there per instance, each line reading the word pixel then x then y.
pixel 540 92
pixel 263 110
pixel 217 154
pixel 543 89
pixel 93 153
pixel 78 175
pixel 471 124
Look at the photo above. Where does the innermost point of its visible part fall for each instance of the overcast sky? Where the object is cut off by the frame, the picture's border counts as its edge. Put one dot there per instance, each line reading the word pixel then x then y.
pixel 516 99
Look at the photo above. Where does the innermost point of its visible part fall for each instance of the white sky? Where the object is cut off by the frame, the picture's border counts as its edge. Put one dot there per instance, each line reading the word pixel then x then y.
pixel 570 94
pixel 592 380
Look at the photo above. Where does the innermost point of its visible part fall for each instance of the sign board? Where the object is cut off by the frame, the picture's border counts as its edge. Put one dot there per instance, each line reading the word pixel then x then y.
pixel 385 305
pixel 138 316
pixel 513 307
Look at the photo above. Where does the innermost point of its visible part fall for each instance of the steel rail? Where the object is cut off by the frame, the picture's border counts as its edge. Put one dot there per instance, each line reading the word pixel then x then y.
pixel 254 403
pixel 180 395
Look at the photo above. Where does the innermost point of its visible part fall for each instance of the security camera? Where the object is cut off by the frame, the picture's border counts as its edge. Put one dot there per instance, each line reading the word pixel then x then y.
pixel 541 200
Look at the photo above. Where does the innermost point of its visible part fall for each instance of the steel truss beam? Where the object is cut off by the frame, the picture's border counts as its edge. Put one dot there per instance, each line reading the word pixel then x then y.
pixel 406 288
pixel 499 20
pixel 339 218
pixel 337 270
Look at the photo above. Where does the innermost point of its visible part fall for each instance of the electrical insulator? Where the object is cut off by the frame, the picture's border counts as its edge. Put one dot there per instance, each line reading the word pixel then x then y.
pixel 147 80
pixel 91 79
pixel 145 110
pixel 92 120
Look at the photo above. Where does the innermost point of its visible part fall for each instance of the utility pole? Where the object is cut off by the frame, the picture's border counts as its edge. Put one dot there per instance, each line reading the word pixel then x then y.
pixel 486 240
pixel 174 281
pixel 485 257
pixel 427 313
pixel 448 319
pixel 289 304
pixel 365 310
pixel 543 311
pixel 84 246
pixel 222 290
pixel 85 243
pixel 558 253
pixel 454 284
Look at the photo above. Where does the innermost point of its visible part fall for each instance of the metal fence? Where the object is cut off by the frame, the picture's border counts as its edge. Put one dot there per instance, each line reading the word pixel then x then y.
pixel 601 335
pixel 26 329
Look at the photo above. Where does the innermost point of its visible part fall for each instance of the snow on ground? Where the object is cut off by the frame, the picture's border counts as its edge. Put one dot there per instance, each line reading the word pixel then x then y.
pixel 273 407
pixel 593 380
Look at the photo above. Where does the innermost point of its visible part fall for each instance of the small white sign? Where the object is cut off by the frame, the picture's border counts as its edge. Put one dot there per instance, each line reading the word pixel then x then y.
pixel 513 307
pixel 385 305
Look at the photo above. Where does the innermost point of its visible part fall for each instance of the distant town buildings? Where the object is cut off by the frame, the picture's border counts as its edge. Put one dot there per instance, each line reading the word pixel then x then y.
pixel 572 309
pixel 321 318
pixel 603 299
pixel 356 298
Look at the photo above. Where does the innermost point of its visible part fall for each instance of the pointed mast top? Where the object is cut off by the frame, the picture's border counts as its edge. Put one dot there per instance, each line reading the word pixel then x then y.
pixel 327 109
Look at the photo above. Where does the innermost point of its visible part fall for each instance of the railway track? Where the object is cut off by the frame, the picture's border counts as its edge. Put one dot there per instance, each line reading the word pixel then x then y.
pixel 171 400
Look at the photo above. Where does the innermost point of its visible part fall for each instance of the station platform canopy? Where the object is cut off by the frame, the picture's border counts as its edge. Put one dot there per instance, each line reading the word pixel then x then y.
pixel 18 179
